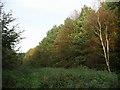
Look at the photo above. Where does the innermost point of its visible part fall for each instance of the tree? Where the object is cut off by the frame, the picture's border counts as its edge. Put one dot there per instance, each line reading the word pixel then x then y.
pixel 43 54
pixel 115 7
pixel 78 37
pixel 10 39
pixel 62 43
pixel 103 25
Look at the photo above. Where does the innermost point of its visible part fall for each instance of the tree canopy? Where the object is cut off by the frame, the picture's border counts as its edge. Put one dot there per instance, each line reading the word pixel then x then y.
pixel 10 38
pixel 87 38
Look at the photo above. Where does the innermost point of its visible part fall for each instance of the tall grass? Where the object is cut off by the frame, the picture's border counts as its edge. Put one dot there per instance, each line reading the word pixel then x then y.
pixel 80 77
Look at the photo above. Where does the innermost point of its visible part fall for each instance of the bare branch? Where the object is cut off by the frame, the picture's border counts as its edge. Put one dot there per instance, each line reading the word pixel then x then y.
pixel 96 33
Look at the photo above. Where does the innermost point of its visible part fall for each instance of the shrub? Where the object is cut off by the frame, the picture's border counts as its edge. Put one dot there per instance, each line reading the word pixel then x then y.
pixel 80 77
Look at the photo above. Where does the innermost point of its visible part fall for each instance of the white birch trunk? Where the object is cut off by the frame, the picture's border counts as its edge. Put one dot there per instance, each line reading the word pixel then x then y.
pixel 107 45
pixel 105 49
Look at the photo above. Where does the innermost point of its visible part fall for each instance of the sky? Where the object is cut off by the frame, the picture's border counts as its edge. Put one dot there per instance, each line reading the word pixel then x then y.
pixel 36 17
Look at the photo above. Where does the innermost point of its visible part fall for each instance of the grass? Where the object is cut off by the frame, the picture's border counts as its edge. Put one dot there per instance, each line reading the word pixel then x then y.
pixel 80 77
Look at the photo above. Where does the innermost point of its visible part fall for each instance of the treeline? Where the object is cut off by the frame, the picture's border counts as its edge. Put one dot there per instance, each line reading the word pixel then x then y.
pixel 90 38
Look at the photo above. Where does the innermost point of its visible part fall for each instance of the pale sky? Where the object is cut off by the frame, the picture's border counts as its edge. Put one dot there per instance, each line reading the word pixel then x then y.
pixel 36 17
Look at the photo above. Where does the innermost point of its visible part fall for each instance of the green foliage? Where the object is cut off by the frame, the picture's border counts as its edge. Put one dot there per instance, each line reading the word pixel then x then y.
pixel 79 37
pixel 9 59
pixel 101 29
pixel 21 57
pixel 68 45
pixel 80 77
pixel 63 41
pixel 62 44
pixel 115 7
pixel 75 43
pixel 43 54
pixel 10 38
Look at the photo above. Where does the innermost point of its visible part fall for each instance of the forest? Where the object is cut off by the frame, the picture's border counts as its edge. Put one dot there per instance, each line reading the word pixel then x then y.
pixel 84 52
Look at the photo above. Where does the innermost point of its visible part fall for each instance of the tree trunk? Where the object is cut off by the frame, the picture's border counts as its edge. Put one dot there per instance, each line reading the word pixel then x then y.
pixel 106 52
pixel 107 42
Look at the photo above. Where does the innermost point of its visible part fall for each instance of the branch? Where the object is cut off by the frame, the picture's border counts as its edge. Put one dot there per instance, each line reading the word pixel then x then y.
pixel 96 33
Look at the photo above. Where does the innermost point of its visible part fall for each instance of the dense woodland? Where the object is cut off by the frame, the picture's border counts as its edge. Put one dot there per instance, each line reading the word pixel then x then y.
pixel 89 38
pixel 84 52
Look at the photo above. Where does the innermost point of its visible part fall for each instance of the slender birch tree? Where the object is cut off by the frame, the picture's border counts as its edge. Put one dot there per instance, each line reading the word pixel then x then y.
pixel 103 25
